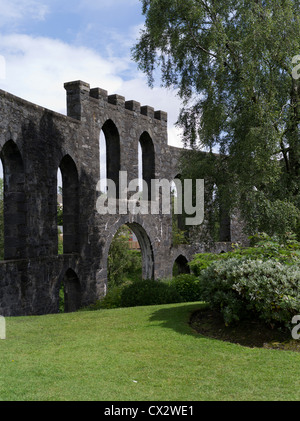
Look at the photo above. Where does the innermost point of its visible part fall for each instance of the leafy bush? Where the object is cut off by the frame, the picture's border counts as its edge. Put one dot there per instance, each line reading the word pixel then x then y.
pixel 263 248
pixel 242 288
pixel 139 293
pixel 148 292
pixel 203 260
pixel 187 286
pixel 112 299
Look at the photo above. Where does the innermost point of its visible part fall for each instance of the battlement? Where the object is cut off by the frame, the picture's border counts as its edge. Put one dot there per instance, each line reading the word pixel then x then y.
pixel 78 90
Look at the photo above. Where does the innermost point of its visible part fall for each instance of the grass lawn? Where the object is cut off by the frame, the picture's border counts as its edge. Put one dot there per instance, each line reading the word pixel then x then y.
pixel 136 354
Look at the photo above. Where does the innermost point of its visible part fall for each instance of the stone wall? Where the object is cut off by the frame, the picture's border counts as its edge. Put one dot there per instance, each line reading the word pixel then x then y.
pixel 34 143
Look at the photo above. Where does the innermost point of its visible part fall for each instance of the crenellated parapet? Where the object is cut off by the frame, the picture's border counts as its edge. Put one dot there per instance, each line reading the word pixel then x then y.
pixel 79 91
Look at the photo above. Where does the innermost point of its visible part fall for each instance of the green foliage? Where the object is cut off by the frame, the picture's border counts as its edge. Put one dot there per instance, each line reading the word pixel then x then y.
pixel 203 260
pixel 241 288
pixel 187 286
pixel 148 292
pixel 123 264
pixel 59 215
pixel 60 243
pixel 111 300
pixel 263 247
pixel 231 63
pixel 138 293
pixel 178 235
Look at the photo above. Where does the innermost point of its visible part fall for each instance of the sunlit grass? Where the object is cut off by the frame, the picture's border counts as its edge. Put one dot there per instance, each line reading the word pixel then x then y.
pixel 137 354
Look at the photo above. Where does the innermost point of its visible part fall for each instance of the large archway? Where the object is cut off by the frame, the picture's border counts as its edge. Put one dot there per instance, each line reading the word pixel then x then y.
pixel 146 250
pixel 130 255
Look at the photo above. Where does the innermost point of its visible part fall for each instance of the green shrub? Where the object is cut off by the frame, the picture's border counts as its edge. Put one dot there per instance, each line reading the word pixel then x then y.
pixel 263 248
pixel 148 292
pixel 187 286
pixel 241 288
pixel 203 260
pixel 60 243
pixel 112 299
pixel 92 307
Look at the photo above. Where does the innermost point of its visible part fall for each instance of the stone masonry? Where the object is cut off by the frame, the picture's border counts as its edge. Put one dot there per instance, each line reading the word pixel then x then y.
pixel 34 143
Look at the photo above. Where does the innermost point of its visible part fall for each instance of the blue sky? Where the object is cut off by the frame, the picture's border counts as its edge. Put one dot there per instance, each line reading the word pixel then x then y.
pixel 48 42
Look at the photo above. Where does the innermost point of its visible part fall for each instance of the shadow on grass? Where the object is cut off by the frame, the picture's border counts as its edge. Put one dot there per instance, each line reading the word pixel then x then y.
pixel 177 317
pixel 190 319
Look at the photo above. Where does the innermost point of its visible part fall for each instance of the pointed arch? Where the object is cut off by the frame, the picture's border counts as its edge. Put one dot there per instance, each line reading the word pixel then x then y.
pixel 15 212
pixel 112 152
pixel 146 249
pixel 181 266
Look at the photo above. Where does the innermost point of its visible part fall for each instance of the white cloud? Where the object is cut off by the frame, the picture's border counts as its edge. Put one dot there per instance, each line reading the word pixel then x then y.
pixel 15 11
pixel 36 69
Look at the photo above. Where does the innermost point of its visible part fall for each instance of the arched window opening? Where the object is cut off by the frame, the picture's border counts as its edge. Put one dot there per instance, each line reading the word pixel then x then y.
pixel 111 153
pixel 69 293
pixel 60 227
pixel 147 161
pixel 1 213
pixel 181 266
pixel 102 160
pixel 14 202
pixel 140 167
pixel 70 205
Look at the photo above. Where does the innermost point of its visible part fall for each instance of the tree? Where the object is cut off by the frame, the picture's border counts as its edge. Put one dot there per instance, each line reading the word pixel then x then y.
pixel 123 264
pixel 233 64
